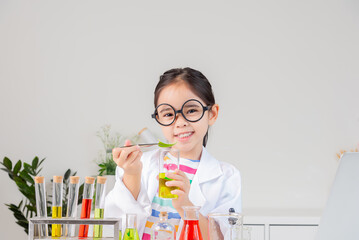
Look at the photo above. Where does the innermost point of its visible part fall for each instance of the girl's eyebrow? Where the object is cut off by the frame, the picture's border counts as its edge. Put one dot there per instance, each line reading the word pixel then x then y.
pixel 192 105
pixel 165 109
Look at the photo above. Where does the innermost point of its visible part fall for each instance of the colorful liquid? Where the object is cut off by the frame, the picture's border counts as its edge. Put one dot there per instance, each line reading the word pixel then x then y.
pixel 191 231
pixel 131 234
pixel 163 190
pixel 56 228
pixel 85 213
pixel 97 229
pixel 119 235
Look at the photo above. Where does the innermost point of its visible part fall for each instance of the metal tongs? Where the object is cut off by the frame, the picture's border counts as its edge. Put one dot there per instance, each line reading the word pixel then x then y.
pixel 142 145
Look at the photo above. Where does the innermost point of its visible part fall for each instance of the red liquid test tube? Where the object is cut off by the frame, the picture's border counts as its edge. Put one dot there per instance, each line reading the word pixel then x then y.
pixel 86 205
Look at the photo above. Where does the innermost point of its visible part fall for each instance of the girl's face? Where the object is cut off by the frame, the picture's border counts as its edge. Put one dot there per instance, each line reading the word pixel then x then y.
pixel 188 135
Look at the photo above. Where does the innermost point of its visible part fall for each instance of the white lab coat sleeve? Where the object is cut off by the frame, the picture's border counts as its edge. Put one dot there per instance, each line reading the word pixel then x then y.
pixel 120 201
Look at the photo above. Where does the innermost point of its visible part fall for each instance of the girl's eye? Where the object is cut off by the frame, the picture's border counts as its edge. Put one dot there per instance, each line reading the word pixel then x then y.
pixel 192 111
pixel 168 115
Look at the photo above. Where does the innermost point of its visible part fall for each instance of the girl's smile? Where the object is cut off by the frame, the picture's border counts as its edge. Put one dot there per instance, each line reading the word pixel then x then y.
pixel 183 136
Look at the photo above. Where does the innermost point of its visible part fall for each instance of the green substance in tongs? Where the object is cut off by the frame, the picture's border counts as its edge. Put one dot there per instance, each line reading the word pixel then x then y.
pixel 165 145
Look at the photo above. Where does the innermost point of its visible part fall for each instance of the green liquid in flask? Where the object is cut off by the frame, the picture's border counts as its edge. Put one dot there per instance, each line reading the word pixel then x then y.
pixel 131 234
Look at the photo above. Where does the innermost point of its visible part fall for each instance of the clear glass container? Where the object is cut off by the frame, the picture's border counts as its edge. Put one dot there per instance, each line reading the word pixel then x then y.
pixel 225 226
pixel 71 211
pixel 168 162
pixel 191 229
pixel 41 205
pixel 57 189
pixel 163 230
pixel 131 227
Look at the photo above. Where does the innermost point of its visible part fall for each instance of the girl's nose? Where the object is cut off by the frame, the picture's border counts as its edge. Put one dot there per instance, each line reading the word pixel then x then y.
pixel 180 121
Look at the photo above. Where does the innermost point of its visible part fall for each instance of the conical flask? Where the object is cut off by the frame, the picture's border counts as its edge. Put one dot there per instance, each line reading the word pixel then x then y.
pixel 131 227
pixel 191 230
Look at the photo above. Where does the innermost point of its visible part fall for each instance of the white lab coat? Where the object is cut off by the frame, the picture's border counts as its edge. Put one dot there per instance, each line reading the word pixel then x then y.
pixel 215 187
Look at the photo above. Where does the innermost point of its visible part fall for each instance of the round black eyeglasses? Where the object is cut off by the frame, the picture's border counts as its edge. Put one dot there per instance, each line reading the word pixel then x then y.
pixel 192 110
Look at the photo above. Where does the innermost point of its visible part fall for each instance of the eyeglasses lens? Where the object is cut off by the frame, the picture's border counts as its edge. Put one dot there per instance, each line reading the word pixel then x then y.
pixel 192 111
pixel 165 114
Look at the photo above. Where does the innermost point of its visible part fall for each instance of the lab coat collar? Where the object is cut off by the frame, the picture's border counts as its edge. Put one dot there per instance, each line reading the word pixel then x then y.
pixel 208 168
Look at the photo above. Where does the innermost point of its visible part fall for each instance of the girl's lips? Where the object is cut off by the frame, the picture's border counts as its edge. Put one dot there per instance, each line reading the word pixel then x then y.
pixel 183 136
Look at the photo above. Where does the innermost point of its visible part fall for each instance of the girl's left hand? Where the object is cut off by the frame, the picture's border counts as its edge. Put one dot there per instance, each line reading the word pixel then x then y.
pixel 181 181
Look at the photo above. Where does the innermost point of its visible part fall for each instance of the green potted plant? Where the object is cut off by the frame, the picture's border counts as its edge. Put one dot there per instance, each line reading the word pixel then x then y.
pixel 23 175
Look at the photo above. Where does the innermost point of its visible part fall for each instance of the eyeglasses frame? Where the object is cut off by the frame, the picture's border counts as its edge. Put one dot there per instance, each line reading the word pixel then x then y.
pixel 205 108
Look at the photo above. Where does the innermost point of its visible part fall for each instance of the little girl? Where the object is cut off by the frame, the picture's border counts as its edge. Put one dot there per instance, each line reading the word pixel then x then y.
pixel 184 108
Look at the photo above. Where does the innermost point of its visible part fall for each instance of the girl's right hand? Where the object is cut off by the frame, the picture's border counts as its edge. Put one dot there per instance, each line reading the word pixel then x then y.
pixel 128 158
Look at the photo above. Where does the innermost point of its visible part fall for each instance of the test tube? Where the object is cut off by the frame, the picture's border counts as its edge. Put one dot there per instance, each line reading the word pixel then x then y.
pixel 72 204
pixel 86 205
pixel 56 204
pixel 41 209
pixel 99 205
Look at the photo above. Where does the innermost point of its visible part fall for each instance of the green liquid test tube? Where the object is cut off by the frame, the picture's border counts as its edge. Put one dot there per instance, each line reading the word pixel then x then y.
pixel 99 205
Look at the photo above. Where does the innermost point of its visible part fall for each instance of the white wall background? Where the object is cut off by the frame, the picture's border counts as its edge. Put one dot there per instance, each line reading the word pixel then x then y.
pixel 285 74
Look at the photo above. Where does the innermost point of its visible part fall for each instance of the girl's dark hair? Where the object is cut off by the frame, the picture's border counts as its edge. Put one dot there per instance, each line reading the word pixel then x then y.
pixel 196 81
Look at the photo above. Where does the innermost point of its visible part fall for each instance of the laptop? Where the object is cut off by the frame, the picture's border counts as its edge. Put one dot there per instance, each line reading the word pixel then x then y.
pixel 340 219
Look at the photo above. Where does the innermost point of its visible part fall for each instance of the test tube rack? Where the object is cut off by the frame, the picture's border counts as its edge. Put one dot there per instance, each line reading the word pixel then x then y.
pixel 116 222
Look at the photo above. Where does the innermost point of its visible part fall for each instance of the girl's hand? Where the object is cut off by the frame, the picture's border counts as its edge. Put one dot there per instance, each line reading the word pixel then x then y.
pixel 128 159
pixel 179 180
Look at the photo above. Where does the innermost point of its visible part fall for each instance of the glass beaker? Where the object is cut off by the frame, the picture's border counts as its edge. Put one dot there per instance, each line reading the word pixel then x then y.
pixel 168 162
pixel 131 227
pixel 190 229
pixel 225 226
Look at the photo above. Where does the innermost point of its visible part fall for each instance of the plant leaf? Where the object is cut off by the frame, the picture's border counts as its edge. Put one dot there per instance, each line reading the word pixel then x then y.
pixel 35 162
pixel 31 208
pixel 67 174
pixel 7 163
pixel 26 177
pixel 41 162
pixel 37 173
pixel 29 169
pixel 17 167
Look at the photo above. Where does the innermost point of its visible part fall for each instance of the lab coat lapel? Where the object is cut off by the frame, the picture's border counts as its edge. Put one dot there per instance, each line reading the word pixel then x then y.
pixel 208 169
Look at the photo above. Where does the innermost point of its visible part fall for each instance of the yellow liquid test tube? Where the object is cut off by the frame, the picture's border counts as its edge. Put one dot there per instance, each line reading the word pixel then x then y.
pixel 56 205
pixel 56 228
